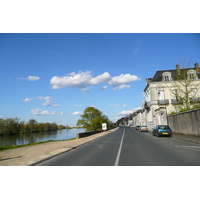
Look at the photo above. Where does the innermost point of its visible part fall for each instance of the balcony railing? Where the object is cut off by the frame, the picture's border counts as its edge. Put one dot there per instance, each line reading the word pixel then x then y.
pixel 163 102
pixel 195 100
pixel 176 102
pixel 147 104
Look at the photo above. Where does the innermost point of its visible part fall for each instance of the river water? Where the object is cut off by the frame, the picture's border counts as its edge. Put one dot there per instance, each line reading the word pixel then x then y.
pixel 26 138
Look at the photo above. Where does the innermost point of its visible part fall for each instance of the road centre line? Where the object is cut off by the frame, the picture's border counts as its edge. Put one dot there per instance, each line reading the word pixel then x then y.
pixel 119 151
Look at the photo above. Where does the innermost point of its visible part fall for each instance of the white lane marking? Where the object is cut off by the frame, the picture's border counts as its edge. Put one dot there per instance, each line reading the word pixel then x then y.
pixel 119 151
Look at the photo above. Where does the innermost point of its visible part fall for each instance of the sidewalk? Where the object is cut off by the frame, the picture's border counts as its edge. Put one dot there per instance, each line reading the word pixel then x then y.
pixel 193 139
pixel 29 155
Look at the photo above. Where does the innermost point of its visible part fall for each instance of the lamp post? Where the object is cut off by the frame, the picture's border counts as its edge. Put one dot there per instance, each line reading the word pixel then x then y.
pixel 161 88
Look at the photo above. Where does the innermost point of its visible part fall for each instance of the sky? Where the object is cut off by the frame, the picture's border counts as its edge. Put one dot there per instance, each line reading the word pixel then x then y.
pixel 54 77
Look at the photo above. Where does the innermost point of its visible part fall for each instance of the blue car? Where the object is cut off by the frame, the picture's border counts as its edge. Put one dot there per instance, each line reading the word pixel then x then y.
pixel 162 130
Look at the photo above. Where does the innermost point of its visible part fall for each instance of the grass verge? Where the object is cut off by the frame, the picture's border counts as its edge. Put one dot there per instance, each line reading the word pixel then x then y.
pixel 6 147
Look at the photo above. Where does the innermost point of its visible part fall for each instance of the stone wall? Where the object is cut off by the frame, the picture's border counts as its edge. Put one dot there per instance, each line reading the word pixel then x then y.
pixel 187 123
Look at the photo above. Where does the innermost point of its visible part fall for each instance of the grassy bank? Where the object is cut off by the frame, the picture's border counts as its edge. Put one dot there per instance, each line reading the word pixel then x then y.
pixel 6 147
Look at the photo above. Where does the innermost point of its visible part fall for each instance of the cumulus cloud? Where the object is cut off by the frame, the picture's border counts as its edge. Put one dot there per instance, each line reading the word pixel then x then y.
pixel 47 102
pixel 38 111
pixel 105 87
pixel 77 113
pixel 78 80
pixel 127 112
pixel 27 99
pixel 61 113
pixel 30 78
pixel 104 78
pixel 120 87
pixel 77 105
pixel 82 81
pixel 123 79
pixel 44 98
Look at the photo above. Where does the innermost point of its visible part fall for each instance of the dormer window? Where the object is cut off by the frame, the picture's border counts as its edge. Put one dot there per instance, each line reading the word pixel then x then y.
pixel 191 74
pixel 166 76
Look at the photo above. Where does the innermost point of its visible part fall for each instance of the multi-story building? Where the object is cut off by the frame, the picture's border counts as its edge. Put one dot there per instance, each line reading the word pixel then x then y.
pixel 161 98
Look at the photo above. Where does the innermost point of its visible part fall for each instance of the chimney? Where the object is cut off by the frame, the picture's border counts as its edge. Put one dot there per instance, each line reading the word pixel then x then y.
pixel 178 69
pixel 196 66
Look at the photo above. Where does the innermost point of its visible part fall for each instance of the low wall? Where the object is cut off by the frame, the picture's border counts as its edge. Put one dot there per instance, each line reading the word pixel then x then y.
pixel 85 134
pixel 187 123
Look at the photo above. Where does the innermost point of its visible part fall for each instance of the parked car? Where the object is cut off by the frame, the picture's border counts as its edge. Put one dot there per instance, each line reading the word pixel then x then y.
pixel 162 130
pixel 137 127
pixel 143 128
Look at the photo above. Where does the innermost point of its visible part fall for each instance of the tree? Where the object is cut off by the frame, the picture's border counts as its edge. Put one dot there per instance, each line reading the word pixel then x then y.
pixel 185 87
pixel 32 125
pixel 92 119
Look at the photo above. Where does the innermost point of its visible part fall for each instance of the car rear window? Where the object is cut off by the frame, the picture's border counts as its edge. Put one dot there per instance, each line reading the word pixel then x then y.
pixel 163 127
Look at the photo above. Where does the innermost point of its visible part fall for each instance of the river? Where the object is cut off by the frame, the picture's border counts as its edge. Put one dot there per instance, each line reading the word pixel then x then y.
pixel 26 138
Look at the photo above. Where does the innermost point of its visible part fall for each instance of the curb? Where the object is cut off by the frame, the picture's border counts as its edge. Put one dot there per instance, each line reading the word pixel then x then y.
pixel 50 157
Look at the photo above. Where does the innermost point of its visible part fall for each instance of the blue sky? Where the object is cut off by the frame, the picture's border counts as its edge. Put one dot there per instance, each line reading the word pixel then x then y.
pixel 54 77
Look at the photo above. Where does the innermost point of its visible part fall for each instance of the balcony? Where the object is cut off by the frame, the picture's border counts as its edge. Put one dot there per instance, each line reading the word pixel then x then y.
pixel 195 100
pixel 176 102
pixel 147 104
pixel 163 102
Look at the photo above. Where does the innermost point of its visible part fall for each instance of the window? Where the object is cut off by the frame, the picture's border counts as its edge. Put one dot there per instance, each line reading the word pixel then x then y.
pixel 191 74
pixel 166 78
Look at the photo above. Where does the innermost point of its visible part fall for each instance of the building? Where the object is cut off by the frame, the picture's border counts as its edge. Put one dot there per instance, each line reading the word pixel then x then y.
pixel 163 95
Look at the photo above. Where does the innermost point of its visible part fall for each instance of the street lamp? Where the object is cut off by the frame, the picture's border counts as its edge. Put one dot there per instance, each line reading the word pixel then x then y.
pixel 161 88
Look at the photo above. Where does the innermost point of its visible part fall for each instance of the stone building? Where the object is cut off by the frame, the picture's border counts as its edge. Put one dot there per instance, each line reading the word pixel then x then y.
pixel 162 95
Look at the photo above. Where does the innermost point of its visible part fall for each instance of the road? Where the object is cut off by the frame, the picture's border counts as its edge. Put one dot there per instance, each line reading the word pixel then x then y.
pixel 128 147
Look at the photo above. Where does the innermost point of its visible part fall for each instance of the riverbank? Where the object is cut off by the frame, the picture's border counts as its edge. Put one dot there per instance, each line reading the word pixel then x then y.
pixel 29 138
pixel 4 148
pixel 31 155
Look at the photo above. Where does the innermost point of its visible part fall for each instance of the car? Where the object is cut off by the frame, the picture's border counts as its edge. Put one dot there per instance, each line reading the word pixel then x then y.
pixel 137 127
pixel 162 130
pixel 143 128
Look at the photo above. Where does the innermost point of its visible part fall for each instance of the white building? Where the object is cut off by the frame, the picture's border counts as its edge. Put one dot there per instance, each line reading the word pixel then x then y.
pixel 160 100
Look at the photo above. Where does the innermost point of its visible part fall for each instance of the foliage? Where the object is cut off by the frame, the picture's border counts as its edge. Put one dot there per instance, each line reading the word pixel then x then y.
pixel 92 119
pixel 185 88
pixel 14 126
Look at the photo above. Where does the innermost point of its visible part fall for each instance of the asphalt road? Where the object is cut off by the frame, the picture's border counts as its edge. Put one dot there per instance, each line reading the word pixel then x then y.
pixel 128 147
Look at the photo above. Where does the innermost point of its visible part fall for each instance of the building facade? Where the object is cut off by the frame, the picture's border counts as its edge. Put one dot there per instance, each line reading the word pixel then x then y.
pixel 163 95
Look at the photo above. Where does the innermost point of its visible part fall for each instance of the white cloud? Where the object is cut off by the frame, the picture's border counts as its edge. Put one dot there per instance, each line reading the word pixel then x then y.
pixel 127 112
pixel 82 80
pixel 49 103
pixel 77 105
pixel 104 78
pixel 105 87
pixel 77 113
pixel 121 87
pixel 27 99
pixel 44 98
pixel 61 113
pixel 123 79
pixel 124 105
pixel 113 104
pixel 1 116
pixel 79 80
pixel 31 78
pixel 38 111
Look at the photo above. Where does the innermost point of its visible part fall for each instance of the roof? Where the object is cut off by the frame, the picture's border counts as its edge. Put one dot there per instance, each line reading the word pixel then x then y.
pixel 158 75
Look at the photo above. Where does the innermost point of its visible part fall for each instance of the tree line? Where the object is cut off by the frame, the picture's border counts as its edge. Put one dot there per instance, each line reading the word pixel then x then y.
pixel 14 126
